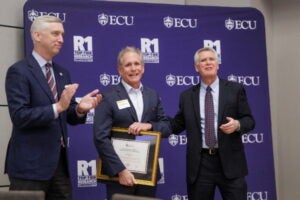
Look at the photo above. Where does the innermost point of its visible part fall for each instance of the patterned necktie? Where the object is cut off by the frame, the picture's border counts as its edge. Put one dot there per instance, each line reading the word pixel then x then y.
pixel 210 137
pixel 51 81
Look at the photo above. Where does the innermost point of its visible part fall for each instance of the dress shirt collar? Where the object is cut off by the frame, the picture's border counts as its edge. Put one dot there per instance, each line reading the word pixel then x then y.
pixel 213 86
pixel 41 61
pixel 128 88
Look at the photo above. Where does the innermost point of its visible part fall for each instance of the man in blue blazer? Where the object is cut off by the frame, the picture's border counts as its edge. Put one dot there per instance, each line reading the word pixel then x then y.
pixel 217 160
pixel 36 155
pixel 135 107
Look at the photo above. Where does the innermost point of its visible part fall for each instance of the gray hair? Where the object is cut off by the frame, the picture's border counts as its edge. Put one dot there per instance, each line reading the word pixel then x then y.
pixel 129 49
pixel 196 55
pixel 41 23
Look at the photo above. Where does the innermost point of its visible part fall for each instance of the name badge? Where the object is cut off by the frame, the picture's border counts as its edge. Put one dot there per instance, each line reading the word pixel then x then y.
pixel 124 103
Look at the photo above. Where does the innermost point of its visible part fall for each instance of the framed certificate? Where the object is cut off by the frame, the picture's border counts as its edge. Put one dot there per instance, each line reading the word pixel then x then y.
pixel 138 153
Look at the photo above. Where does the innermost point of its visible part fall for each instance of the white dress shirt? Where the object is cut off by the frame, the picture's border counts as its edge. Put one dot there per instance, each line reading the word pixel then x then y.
pixel 136 97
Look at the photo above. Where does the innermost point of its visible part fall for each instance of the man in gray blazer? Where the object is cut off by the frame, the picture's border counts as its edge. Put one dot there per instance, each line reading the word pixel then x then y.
pixel 215 152
pixel 129 105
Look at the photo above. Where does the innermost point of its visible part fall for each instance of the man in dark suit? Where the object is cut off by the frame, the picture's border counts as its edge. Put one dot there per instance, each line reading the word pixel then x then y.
pixel 40 110
pixel 215 152
pixel 129 105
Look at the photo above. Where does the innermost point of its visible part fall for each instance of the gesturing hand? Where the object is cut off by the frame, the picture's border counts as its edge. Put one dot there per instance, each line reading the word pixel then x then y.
pixel 89 101
pixel 231 126
pixel 66 96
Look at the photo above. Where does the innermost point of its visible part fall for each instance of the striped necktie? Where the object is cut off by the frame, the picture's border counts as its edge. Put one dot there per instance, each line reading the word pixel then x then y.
pixel 51 81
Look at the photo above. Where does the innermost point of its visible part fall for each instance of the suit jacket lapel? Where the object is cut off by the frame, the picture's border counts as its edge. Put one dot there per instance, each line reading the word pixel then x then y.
pixel 146 100
pixel 196 103
pixel 59 79
pixel 39 76
pixel 222 96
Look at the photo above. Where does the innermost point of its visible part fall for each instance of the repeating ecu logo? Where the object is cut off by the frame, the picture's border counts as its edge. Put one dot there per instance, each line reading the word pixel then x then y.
pixel 245 80
pixel 115 20
pixel 261 195
pixel 32 14
pixel 231 24
pixel 176 22
pixel 175 140
pixel 172 80
pixel 106 79
pixel 253 138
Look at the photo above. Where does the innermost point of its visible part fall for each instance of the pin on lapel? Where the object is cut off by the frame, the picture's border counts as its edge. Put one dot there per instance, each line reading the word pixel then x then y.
pixel 60 73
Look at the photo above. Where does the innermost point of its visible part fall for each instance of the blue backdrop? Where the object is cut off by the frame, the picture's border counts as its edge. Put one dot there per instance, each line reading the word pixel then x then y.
pixel 168 36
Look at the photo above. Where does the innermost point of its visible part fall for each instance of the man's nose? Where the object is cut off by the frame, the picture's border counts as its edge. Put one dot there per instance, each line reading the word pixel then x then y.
pixel 61 38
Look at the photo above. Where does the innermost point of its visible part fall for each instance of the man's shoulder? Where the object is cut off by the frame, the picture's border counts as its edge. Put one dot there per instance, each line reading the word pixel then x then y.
pixel 58 66
pixel 149 90
pixel 190 90
pixel 113 90
pixel 230 83
pixel 20 65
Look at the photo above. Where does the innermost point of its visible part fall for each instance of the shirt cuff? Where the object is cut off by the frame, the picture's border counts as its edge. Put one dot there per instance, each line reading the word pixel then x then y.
pixel 55 111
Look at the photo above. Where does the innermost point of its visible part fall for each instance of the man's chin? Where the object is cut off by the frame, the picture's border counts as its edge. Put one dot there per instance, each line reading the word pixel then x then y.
pixel 55 52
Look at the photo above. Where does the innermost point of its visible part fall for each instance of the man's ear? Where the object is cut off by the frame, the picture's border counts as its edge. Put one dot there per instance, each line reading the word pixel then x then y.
pixel 196 68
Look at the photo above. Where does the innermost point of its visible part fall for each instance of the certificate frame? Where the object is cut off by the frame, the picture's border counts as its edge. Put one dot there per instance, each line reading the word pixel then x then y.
pixel 151 139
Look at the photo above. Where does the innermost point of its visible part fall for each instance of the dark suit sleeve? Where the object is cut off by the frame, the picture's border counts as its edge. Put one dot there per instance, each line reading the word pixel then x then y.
pixel 71 114
pixel 234 104
pixel 19 91
pixel 103 122
pixel 178 122
pixel 29 105
pixel 160 122
pixel 247 122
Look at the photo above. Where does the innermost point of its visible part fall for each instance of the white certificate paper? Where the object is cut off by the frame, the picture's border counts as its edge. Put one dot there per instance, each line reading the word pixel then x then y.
pixel 134 154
